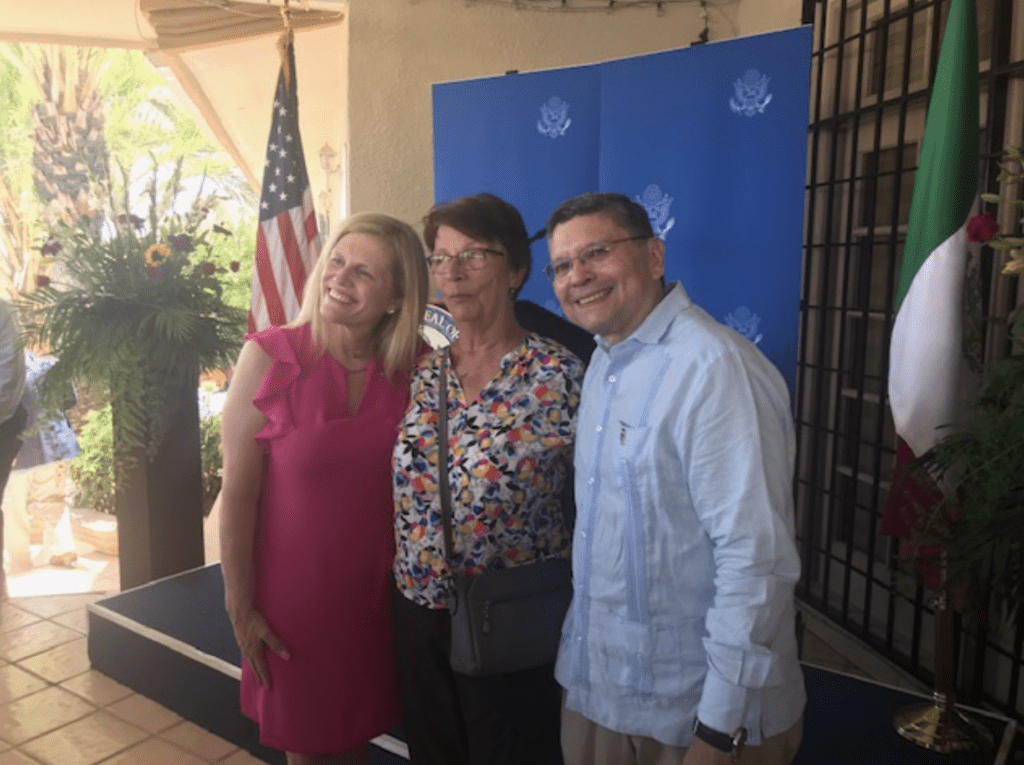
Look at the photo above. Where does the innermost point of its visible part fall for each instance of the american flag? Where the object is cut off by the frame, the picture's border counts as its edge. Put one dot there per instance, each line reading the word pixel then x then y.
pixel 287 242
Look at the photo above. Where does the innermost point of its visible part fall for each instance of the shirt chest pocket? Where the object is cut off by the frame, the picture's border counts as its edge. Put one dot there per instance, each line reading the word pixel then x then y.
pixel 633 453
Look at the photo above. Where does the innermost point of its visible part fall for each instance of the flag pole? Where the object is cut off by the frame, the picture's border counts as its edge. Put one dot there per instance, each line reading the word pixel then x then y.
pixel 940 726
pixel 284 41
pixel 287 239
pixel 925 352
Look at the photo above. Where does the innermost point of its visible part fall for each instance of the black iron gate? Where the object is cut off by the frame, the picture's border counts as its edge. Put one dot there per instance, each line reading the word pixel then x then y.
pixel 873 64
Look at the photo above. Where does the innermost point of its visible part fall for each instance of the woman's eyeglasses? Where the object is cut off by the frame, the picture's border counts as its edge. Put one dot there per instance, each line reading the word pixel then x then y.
pixel 472 258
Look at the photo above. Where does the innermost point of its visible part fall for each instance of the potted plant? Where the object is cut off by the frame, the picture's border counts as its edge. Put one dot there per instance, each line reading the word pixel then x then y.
pixel 135 307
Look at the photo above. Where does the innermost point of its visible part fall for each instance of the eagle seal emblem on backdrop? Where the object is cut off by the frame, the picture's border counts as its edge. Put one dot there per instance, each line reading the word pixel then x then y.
pixel 657 206
pixel 751 93
pixel 746 322
pixel 554 118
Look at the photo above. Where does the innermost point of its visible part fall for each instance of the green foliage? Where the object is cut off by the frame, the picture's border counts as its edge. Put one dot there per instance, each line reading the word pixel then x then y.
pixel 239 250
pixel 18 202
pixel 15 123
pixel 93 469
pixel 980 525
pixel 212 459
pixel 140 310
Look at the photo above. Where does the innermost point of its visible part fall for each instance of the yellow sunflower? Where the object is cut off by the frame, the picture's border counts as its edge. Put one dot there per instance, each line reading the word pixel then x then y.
pixel 157 254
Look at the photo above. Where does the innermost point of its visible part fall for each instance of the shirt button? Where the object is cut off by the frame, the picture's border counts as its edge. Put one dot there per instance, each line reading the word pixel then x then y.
pixel 590 481
pixel 598 428
pixel 612 378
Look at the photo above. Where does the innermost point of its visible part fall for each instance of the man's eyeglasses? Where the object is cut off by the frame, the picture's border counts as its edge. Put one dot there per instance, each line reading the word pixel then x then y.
pixel 472 258
pixel 560 268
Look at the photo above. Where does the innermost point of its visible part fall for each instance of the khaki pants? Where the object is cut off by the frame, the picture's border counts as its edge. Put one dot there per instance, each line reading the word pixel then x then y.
pixel 586 743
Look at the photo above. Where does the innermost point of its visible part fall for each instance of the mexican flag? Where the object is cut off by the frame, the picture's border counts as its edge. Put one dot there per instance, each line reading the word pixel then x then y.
pixel 925 352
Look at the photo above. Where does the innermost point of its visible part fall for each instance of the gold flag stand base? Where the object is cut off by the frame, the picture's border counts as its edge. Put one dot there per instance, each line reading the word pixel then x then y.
pixel 941 728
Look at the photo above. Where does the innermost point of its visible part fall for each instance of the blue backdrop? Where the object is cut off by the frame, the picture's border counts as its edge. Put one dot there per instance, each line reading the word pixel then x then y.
pixel 710 139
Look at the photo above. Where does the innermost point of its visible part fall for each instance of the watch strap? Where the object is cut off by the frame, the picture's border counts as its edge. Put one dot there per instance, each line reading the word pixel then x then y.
pixel 731 744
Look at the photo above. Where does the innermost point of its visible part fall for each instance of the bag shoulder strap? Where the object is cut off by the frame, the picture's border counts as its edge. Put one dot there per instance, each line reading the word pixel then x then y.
pixel 442 460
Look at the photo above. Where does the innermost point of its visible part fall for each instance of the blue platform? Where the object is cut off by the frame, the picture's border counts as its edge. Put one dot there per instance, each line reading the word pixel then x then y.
pixel 171 641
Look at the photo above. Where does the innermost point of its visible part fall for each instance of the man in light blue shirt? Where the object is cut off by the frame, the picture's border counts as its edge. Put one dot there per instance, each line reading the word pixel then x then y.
pixel 679 645
pixel 12 413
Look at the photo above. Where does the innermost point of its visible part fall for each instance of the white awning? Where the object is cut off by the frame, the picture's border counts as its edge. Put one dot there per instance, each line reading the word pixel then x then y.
pixel 167 25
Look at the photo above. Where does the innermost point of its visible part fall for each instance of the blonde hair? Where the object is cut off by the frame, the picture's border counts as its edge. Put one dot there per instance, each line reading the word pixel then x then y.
pixel 396 337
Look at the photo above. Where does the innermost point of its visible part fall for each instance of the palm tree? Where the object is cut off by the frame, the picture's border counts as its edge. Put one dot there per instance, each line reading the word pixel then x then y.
pixel 18 261
pixel 69 155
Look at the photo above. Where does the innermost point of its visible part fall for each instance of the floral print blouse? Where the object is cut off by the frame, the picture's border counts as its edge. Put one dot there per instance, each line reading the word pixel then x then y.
pixel 509 455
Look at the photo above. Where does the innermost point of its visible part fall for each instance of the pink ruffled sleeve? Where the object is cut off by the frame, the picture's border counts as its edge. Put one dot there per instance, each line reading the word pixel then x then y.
pixel 282 345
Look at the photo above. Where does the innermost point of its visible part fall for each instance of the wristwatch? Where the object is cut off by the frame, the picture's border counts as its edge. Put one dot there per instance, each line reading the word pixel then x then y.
pixel 723 742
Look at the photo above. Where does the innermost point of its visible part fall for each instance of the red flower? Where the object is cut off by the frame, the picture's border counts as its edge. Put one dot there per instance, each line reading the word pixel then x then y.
pixel 981 228
pixel 152 271
pixel 234 266
pixel 181 243
pixel 42 280
pixel 208 268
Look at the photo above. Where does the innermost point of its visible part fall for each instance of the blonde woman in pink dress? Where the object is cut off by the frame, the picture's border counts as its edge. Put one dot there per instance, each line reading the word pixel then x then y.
pixel 307 537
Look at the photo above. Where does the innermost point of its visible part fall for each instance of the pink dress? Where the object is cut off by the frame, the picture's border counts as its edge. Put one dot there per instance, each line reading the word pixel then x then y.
pixel 324 551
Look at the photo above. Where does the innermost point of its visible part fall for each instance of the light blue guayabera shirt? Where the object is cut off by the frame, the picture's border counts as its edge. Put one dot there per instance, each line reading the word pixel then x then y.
pixel 12 363
pixel 684 560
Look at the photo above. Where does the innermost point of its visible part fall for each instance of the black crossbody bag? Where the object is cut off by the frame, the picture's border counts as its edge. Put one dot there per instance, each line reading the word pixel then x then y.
pixel 507 619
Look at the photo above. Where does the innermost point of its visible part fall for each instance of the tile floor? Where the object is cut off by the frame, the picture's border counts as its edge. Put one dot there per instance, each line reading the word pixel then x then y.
pixel 55 710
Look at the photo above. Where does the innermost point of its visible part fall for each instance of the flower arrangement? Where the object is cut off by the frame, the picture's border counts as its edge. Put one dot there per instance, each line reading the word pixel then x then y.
pixel 980 523
pixel 134 307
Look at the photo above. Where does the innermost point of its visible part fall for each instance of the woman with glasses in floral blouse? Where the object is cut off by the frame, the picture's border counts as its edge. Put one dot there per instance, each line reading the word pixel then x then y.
pixel 511 397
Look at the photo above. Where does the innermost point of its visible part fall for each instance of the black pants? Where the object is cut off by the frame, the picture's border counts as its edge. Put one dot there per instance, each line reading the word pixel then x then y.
pixel 455 719
pixel 10 444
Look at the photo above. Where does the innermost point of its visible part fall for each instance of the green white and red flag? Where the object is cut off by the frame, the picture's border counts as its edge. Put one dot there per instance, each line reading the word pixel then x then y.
pixel 926 358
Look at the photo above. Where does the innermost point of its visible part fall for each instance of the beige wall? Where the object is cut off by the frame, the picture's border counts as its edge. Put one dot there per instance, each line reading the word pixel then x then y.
pixel 756 16
pixel 399 48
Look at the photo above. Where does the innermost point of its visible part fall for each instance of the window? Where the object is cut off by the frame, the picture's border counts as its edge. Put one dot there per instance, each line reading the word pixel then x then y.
pixel 880 180
pixel 888 41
